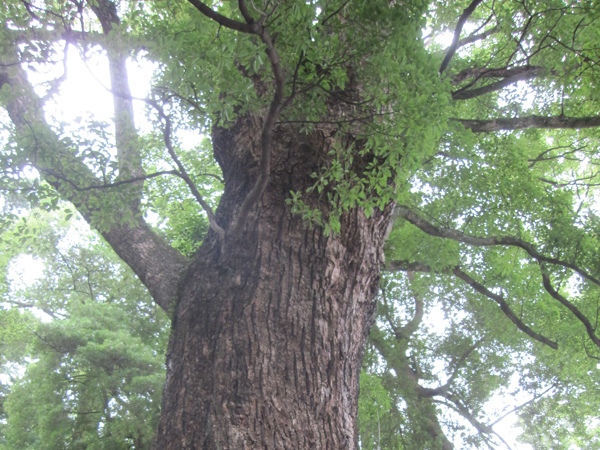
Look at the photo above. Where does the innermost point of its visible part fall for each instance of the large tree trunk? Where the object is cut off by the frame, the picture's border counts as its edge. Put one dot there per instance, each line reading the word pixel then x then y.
pixel 268 335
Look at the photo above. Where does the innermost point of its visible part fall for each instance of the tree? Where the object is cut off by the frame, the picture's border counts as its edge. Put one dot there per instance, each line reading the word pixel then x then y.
pixel 95 371
pixel 328 121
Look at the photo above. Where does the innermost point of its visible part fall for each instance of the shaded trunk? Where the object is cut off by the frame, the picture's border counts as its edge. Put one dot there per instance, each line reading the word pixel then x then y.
pixel 268 336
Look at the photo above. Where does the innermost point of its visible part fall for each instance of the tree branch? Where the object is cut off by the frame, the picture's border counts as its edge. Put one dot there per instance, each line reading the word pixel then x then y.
pixel 522 405
pixel 158 265
pixel 542 156
pixel 413 324
pixel 522 123
pixel 498 85
pixel 416 401
pixel 464 411
pixel 484 72
pixel 457 367
pixel 32 305
pixel 386 312
pixel 225 21
pixel 128 151
pixel 504 307
pixel 570 306
pixel 459 236
pixel 461 22
pixel 275 106
pixel 212 220
pixel 266 135
pixel 108 185
pixel 477 37
pixel 420 267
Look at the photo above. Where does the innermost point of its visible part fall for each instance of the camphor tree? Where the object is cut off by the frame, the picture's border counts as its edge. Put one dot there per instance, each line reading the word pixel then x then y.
pixel 333 124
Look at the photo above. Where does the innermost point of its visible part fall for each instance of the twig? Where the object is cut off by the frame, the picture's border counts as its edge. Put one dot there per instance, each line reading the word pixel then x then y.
pixel 183 173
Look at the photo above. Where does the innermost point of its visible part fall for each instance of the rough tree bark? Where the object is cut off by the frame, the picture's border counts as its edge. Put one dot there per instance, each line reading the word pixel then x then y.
pixel 268 335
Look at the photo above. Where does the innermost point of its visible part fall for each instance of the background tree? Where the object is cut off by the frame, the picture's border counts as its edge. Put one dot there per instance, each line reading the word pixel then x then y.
pixel 94 373
pixel 328 121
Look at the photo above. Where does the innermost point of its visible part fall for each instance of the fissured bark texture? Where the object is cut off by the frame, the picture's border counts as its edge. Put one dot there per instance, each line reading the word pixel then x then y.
pixel 268 336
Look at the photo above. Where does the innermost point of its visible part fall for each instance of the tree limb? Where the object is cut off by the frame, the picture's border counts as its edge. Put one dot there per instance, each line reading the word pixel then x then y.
pixel 457 367
pixel 413 324
pixel 461 22
pixel 522 405
pixel 477 37
pixel 184 175
pixel 498 85
pixel 570 306
pixel 108 185
pixel 158 265
pixel 457 406
pixel 128 151
pixel 484 72
pixel 533 121
pixel 267 131
pixel 257 28
pixel 32 305
pixel 459 236
pixel 225 21
pixel 504 307
pixel 420 267
pixel 418 402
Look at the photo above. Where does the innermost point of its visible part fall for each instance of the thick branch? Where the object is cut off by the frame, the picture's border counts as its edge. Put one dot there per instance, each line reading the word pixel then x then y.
pixel 420 267
pixel 459 236
pixel 464 411
pixel 258 29
pixel 266 135
pixel 477 37
pixel 484 72
pixel 412 390
pixel 128 151
pixel 413 324
pixel 461 21
pixel 225 21
pixel 107 185
pixel 156 263
pixel 457 367
pixel 504 307
pixel 406 331
pixel 32 305
pixel 522 123
pixel 498 85
pixel 389 319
